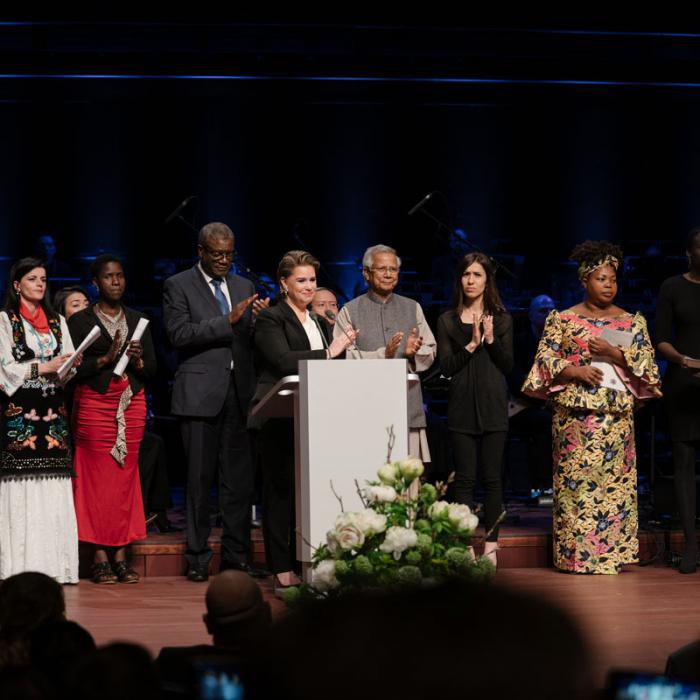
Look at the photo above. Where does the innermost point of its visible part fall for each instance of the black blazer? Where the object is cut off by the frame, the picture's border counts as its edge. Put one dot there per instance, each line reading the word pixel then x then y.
pixel 280 342
pixel 478 397
pixel 206 342
pixel 81 323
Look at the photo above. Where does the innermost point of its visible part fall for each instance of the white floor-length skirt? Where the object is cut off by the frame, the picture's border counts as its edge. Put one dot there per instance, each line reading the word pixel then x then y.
pixel 38 530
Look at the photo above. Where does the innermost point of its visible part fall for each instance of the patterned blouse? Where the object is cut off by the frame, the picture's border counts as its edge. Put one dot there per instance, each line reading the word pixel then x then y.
pixel 564 342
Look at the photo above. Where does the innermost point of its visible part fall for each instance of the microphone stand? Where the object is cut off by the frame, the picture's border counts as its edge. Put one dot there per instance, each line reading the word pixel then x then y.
pixel 255 278
pixel 441 224
pixel 177 214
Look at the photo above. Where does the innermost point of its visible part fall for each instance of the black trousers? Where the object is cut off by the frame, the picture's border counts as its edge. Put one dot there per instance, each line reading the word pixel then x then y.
pixel 684 481
pixel 218 449
pixel 534 425
pixel 153 473
pixel 276 449
pixel 466 453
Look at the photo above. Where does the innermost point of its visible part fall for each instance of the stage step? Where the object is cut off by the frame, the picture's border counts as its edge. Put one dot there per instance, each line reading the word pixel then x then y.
pixel 525 542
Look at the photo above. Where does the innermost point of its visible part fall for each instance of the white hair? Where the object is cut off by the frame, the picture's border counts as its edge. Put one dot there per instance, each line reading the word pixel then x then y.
pixel 368 257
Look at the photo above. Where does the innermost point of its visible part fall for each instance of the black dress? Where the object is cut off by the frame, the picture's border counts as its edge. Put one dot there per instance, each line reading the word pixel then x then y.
pixel 678 323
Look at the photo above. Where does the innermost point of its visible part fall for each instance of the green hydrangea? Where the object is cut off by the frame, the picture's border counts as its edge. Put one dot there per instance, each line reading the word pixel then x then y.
pixel 409 575
pixel 341 568
pixel 363 566
pixel 457 558
pixel 483 569
pixel 424 544
pixel 413 557
pixel 429 493
pixel 422 525
pixel 291 596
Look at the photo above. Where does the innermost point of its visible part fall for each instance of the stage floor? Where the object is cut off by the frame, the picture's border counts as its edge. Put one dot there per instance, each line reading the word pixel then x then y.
pixel 633 620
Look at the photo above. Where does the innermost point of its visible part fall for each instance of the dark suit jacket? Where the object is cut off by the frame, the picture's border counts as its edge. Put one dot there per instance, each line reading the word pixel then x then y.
pixel 280 342
pixel 81 323
pixel 206 343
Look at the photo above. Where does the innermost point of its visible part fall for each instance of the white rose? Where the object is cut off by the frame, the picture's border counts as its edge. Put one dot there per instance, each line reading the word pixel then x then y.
pixel 397 540
pixel 438 508
pixel 323 576
pixel 371 523
pixel 332 542
pixel 388 473
pixel 345 519
pixel 461 517
pixel 350 537
pixel 380 494
pixel 411 468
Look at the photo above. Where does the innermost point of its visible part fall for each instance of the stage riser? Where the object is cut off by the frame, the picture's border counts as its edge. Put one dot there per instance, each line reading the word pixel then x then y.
pixel 522 551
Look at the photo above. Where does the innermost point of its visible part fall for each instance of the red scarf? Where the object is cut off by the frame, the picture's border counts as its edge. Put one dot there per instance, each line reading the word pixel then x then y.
pixel 37 319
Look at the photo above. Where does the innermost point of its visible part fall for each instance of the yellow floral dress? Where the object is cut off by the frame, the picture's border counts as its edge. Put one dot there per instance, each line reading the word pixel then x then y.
pixel 595 477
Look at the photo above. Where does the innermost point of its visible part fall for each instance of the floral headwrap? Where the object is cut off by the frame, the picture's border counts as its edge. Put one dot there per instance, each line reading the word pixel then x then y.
pixel 585 269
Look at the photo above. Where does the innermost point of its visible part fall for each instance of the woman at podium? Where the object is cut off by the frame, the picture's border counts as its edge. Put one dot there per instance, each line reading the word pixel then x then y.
pixel 593 361
pixel 284 334
pixel 475 349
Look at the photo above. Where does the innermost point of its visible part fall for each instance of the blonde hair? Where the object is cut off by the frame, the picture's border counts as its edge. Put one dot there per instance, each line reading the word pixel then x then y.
pixel 292 259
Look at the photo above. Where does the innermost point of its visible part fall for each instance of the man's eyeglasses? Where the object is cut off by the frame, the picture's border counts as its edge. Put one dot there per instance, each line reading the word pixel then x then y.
pixel 219 254
pixel 385 270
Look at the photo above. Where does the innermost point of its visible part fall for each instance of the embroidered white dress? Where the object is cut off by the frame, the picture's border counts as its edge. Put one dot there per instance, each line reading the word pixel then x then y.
pixel 38 530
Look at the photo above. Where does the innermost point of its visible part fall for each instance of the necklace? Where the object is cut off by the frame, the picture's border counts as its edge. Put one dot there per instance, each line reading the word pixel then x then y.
pixel 109 317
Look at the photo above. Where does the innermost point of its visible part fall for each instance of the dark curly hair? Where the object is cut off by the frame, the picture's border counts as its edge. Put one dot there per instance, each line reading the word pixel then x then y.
pixel 590 252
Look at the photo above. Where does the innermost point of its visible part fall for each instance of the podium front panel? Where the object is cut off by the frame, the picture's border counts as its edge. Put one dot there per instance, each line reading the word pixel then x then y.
pixel 344 410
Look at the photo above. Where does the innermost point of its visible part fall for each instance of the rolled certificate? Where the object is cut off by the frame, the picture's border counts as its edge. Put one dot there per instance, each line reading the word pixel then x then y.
pixel 89 339
pixel 124 359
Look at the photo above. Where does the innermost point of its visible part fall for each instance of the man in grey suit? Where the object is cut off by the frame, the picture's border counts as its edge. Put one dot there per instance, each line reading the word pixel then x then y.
pixel 209 322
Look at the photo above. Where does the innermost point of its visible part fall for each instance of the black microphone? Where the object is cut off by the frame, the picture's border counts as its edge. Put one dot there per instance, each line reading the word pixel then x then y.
pixel 420 204
pixel 179 208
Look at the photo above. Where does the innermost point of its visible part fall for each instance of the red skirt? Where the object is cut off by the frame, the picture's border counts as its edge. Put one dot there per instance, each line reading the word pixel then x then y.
pixel 107 495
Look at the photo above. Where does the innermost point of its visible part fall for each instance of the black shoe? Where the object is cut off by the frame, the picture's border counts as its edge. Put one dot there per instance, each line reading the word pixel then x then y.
pixel 198 573
pixel 244 567
pixel 689 562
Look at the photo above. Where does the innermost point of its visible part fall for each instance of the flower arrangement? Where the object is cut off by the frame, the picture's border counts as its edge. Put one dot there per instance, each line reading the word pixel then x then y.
pixel 403 536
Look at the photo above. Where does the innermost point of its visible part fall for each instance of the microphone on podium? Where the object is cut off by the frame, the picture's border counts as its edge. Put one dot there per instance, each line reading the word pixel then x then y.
pixel 333 317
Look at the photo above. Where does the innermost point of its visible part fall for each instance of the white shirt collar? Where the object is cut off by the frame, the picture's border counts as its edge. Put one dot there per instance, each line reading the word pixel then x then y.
pixel 207 277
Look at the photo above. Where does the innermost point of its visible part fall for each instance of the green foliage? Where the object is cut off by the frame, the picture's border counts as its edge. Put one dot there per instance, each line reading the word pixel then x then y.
pixel 413 557
pixel 424 545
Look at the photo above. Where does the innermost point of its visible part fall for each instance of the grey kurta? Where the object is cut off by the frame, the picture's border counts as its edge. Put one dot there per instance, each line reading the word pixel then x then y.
pixel 377 321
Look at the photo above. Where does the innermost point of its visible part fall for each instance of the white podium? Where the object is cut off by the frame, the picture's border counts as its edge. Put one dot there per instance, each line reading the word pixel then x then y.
pixel 341 414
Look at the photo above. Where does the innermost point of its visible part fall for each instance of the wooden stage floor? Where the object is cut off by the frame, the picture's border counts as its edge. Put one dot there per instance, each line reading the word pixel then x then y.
pixel 633 620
